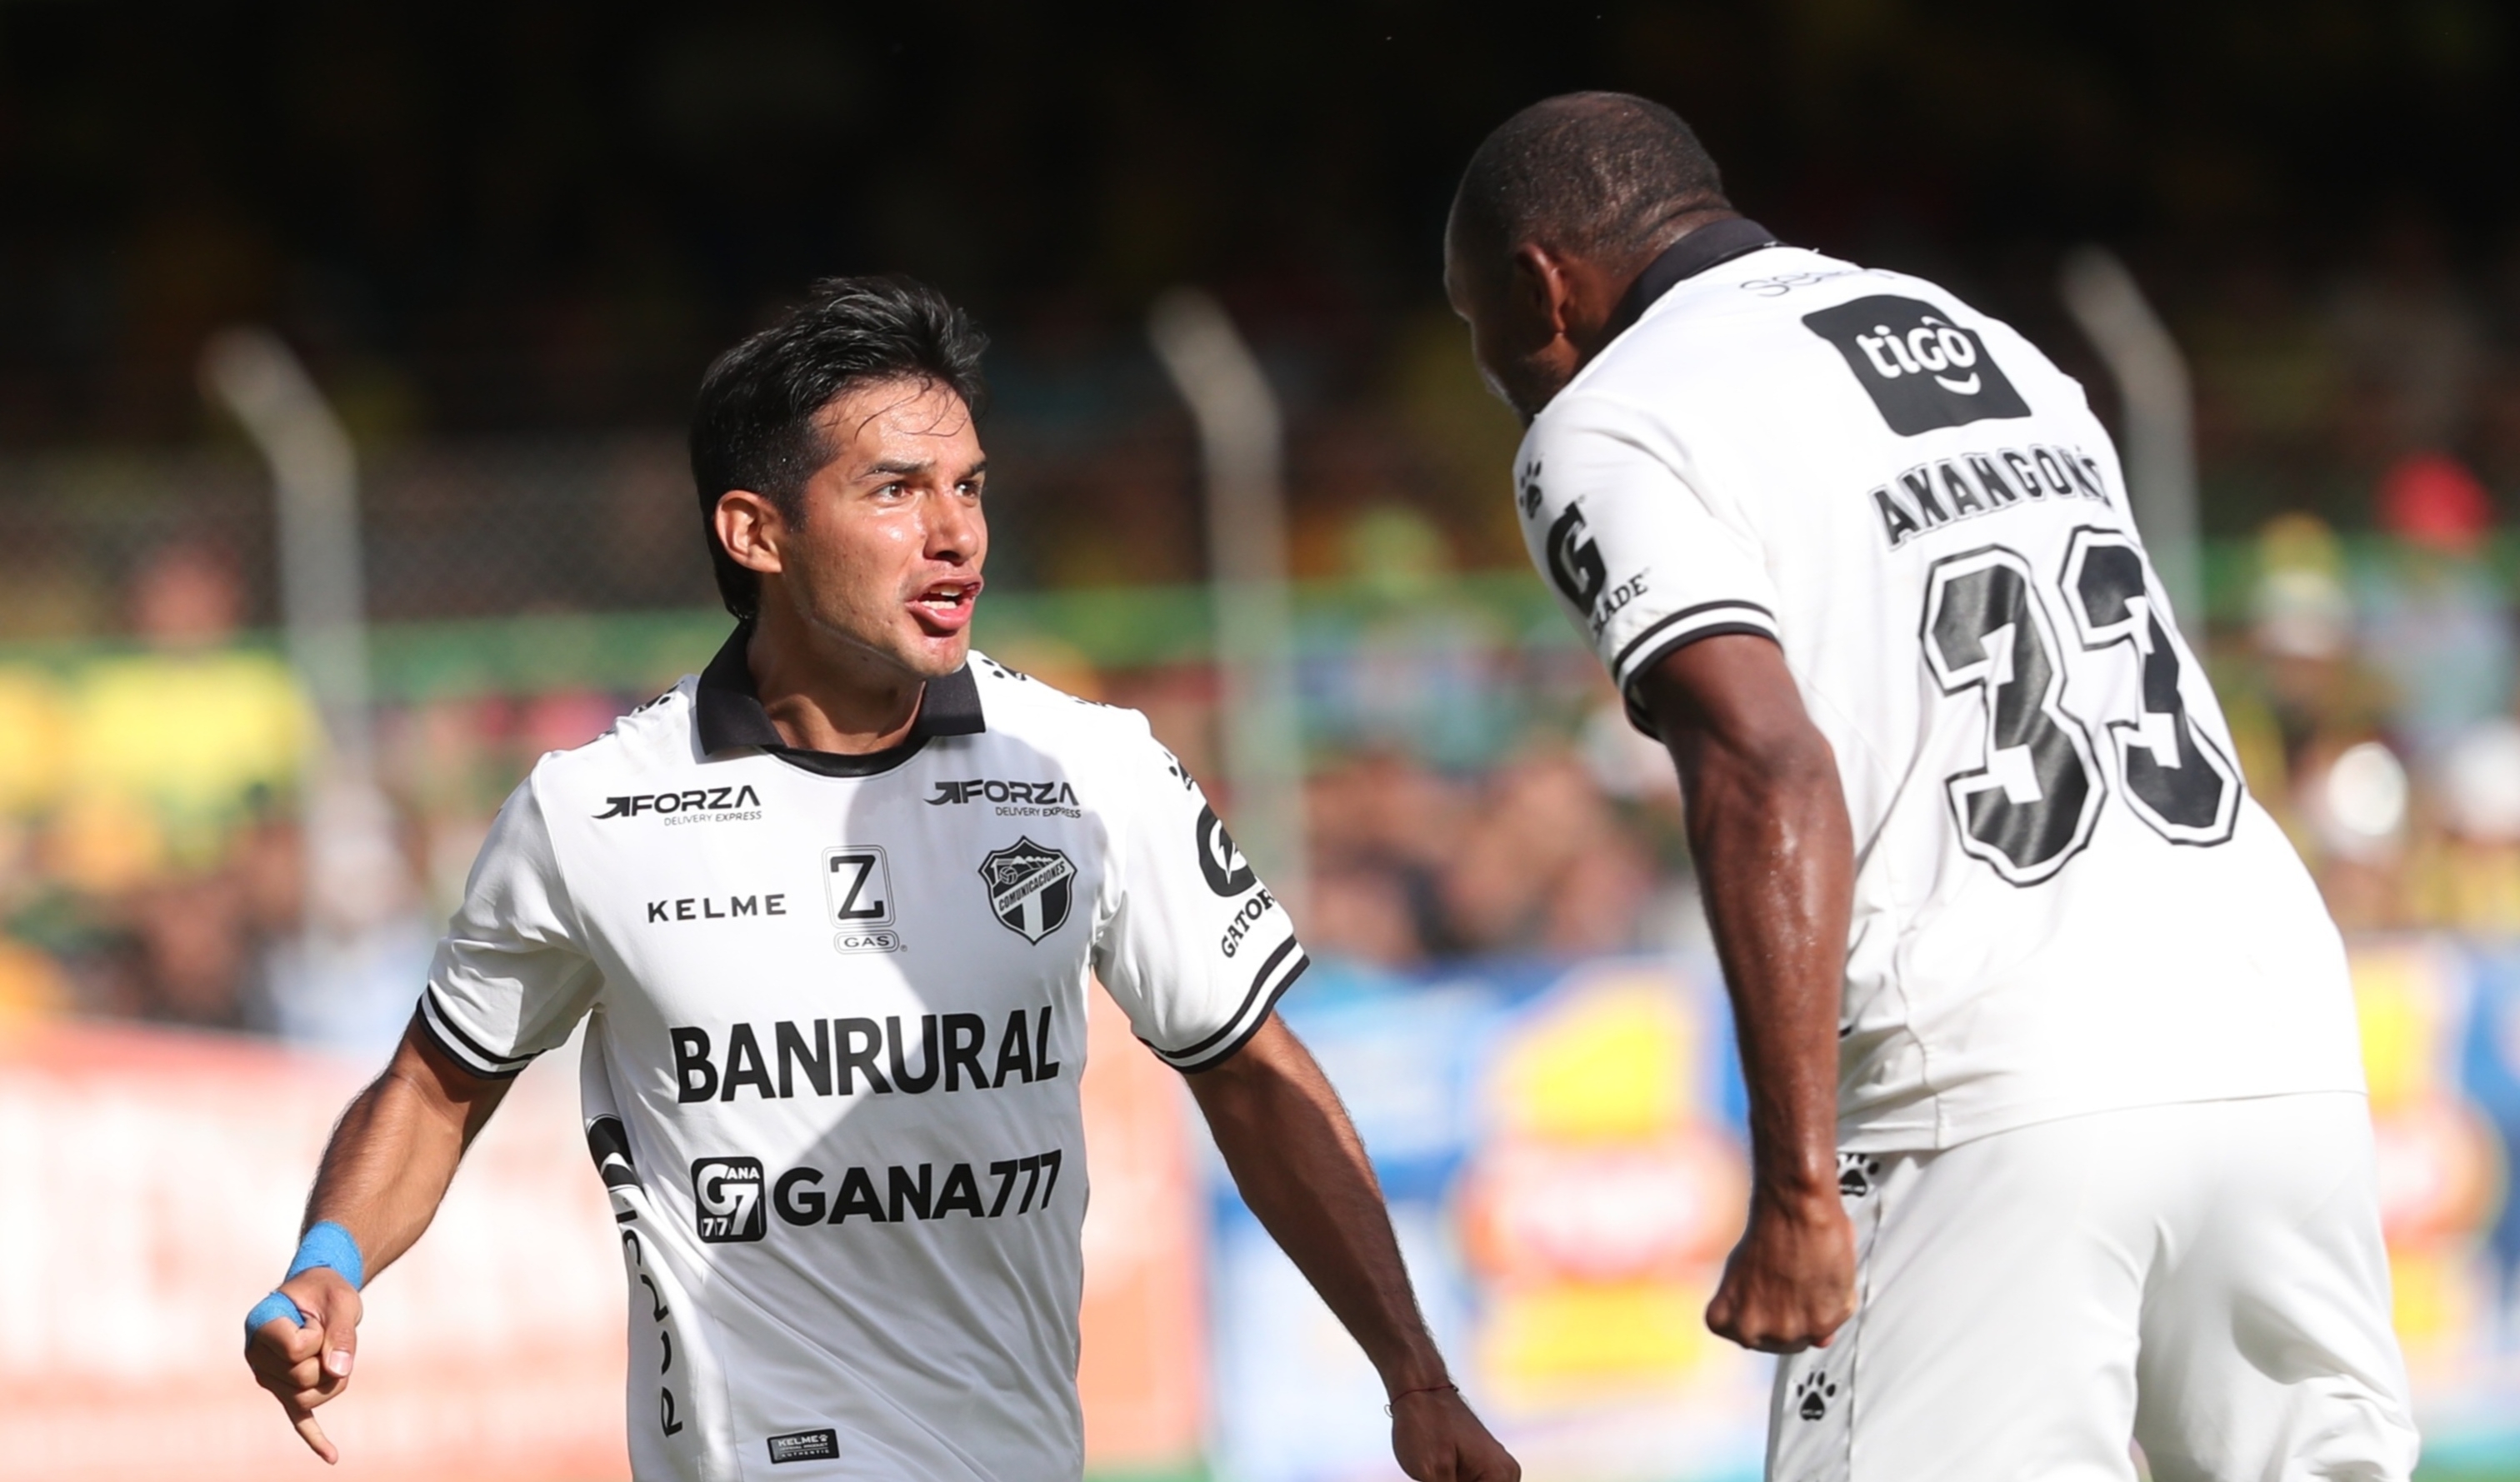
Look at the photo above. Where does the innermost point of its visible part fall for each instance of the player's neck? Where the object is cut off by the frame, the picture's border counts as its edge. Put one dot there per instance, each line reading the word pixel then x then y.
pixel 825 693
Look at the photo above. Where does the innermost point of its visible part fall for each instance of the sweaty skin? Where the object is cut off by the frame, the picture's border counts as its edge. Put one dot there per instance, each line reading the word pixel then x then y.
pixel 865 597
pixel 1766 824
pixel 1766 821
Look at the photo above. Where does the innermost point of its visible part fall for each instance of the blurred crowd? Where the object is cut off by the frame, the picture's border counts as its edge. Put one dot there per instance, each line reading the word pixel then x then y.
pixel 153 854
pixel 2370 694
pixel 1473 790
pixel 152 858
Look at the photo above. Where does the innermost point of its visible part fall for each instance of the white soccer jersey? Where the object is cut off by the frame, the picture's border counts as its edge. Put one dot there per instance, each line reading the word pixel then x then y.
pixel 835 1022
pixel 2065 900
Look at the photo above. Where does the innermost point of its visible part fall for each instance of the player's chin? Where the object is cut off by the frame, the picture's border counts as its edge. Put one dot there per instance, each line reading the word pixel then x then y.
pixel 932 654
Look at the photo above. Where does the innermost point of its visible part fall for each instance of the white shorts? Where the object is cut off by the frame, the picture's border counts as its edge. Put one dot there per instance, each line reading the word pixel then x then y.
pixel 2206 1279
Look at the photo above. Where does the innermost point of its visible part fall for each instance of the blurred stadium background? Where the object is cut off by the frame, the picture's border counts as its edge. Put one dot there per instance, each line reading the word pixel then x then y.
pixel 505 240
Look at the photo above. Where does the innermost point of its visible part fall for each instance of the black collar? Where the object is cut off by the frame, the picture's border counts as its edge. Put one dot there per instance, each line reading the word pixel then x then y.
pixel 730 716
pixel 1692 254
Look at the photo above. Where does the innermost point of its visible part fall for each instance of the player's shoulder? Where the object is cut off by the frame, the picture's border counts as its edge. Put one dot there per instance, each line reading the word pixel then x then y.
pixel 1109 752
pixel 1702 345
pixel 653 736
pixel 1768 310
pixel 1747 343
pixel 1018 705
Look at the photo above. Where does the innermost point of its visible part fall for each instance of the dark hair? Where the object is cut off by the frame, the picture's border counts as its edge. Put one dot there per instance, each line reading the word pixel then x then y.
pixel 1597 173
pixel 753 427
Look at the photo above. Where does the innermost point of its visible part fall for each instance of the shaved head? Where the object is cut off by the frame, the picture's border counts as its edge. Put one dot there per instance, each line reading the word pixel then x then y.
pixel 1559 212
pixel 1602 175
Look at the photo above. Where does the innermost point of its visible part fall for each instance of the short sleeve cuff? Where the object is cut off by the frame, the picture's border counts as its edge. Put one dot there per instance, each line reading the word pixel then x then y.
pixel 1276 975
pixel 1678 630
pixel 464 1048
pixel 1666 636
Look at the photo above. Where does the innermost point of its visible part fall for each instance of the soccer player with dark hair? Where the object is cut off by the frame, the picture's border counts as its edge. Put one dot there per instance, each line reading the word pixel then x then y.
pixel 2056 1107
pixel 829 913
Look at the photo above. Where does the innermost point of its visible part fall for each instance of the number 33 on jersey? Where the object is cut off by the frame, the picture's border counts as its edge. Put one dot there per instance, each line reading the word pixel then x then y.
pixel 2065 899
pixel 2036 798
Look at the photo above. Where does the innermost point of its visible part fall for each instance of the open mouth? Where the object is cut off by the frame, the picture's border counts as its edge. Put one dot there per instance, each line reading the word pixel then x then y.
pixel 946 605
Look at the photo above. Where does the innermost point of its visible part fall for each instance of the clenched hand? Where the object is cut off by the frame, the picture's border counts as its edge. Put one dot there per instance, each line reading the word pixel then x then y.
pixel 1436 1438
pixel 1791 1284
pixel 309 1366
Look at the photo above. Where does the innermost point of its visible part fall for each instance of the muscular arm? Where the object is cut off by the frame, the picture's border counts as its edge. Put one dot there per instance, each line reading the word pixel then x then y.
pixel 383 1177
pixel 1768 828
pixel 1303 1170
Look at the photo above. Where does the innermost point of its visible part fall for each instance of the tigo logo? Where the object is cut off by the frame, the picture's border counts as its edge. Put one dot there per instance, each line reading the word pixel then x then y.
pixel 1921 370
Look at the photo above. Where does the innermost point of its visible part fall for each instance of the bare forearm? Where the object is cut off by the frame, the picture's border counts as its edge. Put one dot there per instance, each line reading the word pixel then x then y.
pixel 1774 859
pixel 1775 856
pixel 1303 1171
pixel 395 1154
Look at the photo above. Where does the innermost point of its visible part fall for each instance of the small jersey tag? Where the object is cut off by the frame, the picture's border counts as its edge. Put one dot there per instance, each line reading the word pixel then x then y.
pixel 806 1445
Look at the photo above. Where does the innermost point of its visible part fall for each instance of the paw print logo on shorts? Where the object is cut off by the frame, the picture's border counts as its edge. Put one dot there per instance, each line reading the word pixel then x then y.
pixel 1856 1172
pixel 1812 1396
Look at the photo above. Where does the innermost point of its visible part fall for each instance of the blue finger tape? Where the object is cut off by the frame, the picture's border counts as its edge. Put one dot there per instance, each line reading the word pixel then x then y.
pixel 328 1245
pixel 272 1309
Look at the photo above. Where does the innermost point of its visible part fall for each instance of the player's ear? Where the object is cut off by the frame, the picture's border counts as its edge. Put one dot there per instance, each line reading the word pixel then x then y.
pixel 1538 287
pixel 752 528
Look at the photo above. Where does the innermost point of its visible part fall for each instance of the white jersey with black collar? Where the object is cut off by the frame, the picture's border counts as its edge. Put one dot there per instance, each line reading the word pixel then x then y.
pixel 835 1018
pixel 2065 899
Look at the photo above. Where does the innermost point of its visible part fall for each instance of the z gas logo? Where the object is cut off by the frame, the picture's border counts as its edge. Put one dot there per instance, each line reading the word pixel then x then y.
pixel 1575 561
pixel 707 804
pixel 726 1200
pixel 1228 873
pixel 857 881
pixel 1921 370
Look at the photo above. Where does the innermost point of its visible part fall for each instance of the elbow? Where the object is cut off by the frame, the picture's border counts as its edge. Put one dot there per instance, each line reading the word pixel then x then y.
pixel 1771 769
pixel 1787 781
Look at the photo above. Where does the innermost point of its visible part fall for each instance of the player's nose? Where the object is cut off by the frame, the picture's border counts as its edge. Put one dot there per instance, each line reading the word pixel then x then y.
pixel 957 534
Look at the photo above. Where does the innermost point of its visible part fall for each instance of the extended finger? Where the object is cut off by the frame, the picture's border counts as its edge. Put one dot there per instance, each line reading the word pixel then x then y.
pixel 311 1431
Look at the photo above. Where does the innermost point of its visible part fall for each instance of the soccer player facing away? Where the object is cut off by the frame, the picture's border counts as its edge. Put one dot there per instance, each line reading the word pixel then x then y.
pixel 2056 1107
pixel 829 912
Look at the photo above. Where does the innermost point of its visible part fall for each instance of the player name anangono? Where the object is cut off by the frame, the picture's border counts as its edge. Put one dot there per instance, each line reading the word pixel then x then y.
pixel 1966 485
pixel 721 801
pixel 828 1056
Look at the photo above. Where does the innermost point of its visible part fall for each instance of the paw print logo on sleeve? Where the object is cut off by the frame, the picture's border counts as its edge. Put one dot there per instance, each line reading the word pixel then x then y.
pixel 1858 1174
pixel 1813 1394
